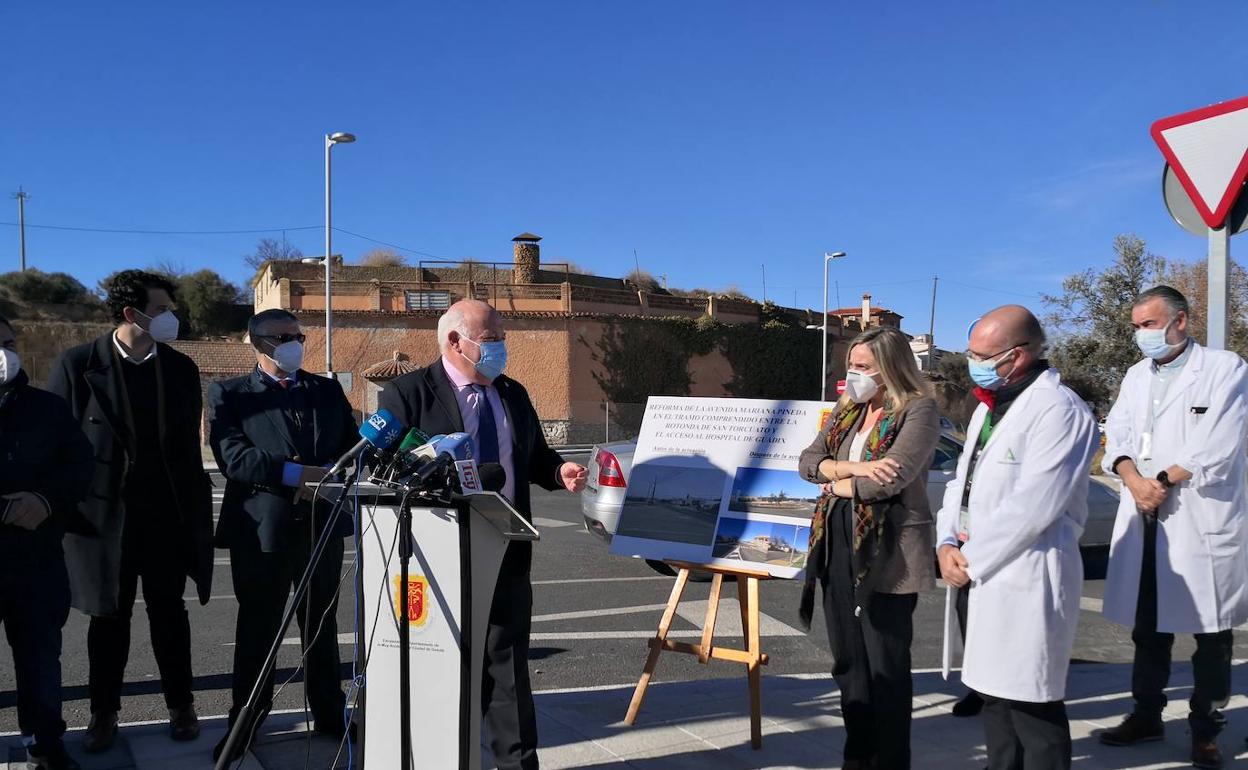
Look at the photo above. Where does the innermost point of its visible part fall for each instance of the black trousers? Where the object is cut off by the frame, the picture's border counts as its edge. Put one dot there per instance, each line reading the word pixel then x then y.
pixel 34 604
pixel 262 584
pixel 1150 673
pixel 146 555
pixel 871 657
pixel 506 692
pixel 1026 736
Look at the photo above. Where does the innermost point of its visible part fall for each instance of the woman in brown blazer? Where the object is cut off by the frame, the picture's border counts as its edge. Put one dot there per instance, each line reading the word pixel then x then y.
pixel 872 540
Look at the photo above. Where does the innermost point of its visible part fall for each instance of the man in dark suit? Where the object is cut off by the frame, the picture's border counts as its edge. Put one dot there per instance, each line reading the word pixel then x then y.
pixel 46 468
pixel 150 503
pixel 273 431
pixel 465 390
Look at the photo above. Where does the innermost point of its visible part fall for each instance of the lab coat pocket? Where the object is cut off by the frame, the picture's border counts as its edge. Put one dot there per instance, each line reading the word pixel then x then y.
pixel 1211 507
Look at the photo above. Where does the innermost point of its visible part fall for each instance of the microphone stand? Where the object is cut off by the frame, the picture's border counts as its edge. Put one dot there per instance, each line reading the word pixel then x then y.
pixel 405 653
pixel 245 714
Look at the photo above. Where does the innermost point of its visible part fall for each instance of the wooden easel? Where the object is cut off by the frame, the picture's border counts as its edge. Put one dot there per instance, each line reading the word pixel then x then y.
pixel 752 656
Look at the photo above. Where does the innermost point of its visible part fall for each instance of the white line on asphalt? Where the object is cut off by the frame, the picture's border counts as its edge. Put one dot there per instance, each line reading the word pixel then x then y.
pixel 1090 603
pixel 567 581
pixel 584 635
pixel 552 523
pixel 597 613
pixel 149 722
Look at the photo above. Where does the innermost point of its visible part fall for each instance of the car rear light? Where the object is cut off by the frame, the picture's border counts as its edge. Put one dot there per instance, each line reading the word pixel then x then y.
pixel 609 472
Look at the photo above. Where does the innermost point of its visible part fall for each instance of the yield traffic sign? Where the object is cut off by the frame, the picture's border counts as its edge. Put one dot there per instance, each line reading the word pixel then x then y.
pixel 1208 151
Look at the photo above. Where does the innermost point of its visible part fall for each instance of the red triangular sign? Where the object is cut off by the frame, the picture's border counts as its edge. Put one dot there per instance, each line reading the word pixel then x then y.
pixel 1208 150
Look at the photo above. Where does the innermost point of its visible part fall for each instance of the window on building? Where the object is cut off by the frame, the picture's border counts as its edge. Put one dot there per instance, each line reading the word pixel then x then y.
pixel 427 300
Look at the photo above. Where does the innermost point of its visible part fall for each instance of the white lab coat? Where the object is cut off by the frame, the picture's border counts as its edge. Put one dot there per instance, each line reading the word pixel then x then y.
pixel 1202 546
pixel 1028 505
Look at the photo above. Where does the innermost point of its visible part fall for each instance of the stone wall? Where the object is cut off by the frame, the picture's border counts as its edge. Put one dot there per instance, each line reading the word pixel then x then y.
pixel 40 342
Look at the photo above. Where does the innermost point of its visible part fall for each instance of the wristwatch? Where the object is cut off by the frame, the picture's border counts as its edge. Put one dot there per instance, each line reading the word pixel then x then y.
pixel 1164 478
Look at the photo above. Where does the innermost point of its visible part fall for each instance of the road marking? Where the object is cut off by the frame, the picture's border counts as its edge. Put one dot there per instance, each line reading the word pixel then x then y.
pixel 596 613
pixel 728 619
pixel 568 581
pixel 1090 603
pixel 551 523
pixel 555 636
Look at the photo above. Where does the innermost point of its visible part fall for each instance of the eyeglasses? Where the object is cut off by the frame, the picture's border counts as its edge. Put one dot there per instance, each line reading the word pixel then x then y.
pixel 977 357
pixel 283 338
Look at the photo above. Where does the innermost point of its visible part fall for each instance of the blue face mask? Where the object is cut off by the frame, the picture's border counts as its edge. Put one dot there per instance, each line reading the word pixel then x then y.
pixel 493 358
pixel 984 373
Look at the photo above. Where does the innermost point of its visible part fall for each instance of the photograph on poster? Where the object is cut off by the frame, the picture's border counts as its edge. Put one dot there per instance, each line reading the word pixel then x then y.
pixel 672 504
pixel 776 544
pixel 779 492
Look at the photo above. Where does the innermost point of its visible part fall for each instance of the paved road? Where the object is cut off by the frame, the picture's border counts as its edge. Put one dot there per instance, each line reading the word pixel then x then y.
pixel 592 611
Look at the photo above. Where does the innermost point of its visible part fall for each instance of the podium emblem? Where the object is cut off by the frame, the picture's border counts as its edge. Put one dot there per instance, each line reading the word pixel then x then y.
pixel 417 598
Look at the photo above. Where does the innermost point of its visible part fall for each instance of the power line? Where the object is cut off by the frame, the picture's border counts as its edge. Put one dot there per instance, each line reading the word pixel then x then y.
pixel 391 245
pixel 160 232
pixel 1035 295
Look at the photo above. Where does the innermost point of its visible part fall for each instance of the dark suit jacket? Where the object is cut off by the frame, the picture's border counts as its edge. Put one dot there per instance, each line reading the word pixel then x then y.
pixel 252 442
pixel 425 399
pixel 87 378
pixel 44 451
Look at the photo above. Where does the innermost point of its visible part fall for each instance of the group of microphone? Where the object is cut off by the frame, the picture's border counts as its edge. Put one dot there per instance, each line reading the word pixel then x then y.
pixel 419 461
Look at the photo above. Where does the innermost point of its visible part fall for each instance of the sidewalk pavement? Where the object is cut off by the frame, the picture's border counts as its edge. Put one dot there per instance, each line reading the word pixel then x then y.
pixel 705 724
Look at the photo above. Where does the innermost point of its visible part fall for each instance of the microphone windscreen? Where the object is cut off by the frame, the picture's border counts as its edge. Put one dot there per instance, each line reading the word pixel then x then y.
pixel 381 429
pixel 493 477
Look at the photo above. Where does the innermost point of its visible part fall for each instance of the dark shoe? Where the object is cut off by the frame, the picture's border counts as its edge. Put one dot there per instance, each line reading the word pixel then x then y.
pixel 333 729
pixel 184 723
pixel 54 758
pixel 101 733
pixel 1205 753
pixel 1134 729
pixel 969 706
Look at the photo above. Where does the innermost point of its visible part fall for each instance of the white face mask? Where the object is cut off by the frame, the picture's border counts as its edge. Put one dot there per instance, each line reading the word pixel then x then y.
pixel 162 328
pixel 10 365
pixel 860 387
pixel 288 356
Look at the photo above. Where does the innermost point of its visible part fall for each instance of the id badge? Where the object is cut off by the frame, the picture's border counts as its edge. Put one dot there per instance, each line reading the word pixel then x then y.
pixel 964 525
pixel 1146 446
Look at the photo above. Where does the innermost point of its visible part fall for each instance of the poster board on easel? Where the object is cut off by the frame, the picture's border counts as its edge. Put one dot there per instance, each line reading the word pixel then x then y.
pixel 714 481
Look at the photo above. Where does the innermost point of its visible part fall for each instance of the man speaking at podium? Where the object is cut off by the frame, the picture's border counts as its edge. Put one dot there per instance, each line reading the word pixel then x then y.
pixel 465 390
pixel 274 431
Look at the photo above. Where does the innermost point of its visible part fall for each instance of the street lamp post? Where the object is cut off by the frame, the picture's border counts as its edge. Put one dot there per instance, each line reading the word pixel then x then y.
pixel 338 137
pixel 823 385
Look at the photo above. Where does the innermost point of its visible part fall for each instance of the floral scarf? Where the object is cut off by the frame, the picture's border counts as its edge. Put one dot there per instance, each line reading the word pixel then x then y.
pixel 868 526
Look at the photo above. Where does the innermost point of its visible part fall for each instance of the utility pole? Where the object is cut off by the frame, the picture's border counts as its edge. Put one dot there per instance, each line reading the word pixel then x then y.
pixel 21 196
pixel 637 267
pixel 931 329
pixel 764 283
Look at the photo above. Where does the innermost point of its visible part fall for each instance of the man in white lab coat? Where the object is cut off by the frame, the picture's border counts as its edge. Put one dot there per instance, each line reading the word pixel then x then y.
pixel 1179 557
pixel 1017 506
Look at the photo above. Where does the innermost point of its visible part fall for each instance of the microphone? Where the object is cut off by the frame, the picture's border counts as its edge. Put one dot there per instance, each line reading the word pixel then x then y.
pixel 455 446
pixel 414 438
pixel 379 431
pixel 493 477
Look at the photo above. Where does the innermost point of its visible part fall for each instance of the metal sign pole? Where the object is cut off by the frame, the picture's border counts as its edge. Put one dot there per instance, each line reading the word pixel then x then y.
pixel 1219 288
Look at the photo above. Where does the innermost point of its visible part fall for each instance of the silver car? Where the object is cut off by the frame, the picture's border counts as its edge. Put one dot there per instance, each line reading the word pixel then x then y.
pixel 610 465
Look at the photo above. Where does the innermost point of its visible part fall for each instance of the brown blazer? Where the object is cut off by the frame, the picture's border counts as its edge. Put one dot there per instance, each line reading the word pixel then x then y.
pixel 911 568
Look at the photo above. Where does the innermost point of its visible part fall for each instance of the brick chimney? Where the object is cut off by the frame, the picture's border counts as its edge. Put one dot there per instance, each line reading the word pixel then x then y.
pixel 866 311
pixel 527 256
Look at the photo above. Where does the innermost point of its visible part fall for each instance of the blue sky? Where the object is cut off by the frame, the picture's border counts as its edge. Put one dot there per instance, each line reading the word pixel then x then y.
pixel 999 145
pixel 764 482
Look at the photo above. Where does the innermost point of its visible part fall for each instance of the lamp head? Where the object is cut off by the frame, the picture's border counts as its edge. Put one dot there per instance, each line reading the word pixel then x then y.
pixel 833 254
pixel 341 137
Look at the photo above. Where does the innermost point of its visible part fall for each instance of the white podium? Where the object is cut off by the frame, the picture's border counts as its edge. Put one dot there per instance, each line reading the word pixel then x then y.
pixel 457 550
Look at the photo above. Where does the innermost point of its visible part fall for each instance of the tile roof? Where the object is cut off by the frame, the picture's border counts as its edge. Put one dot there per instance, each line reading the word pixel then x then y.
pixel 219 357
pixel 388 370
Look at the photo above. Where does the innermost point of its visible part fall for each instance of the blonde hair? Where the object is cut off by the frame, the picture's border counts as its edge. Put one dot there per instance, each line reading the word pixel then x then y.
pixel 896 365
